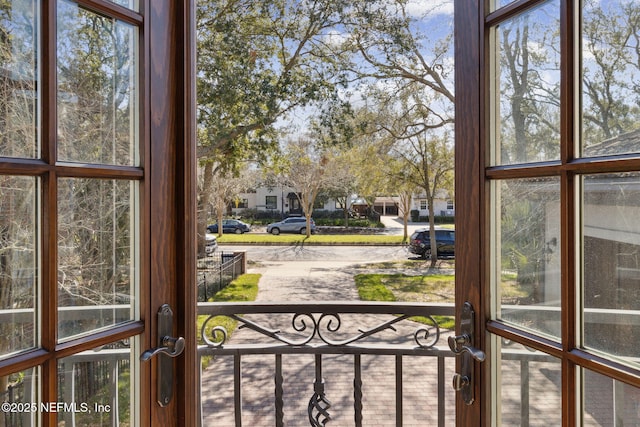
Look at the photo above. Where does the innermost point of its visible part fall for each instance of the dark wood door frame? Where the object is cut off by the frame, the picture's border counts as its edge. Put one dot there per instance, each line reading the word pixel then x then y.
pixel 470 211
pixel 171 186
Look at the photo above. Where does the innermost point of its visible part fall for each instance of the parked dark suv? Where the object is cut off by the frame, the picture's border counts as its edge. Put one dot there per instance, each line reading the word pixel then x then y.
pixel 420 243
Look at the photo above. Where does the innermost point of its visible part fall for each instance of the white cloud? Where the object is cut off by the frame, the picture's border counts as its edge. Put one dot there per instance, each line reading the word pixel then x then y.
pixel 335 38
pixel 418 8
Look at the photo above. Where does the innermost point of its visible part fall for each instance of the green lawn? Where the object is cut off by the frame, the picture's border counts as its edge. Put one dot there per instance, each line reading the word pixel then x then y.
pixel 400 287
pixel 316 239
pixel 242 289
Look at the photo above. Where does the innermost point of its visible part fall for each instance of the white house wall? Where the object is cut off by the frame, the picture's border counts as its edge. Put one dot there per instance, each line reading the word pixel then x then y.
pixel 258 199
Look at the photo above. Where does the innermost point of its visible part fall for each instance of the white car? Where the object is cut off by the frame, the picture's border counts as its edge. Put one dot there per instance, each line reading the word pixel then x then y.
pixel 296 224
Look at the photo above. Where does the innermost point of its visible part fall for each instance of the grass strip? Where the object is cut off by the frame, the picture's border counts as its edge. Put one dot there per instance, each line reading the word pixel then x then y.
pixel 375 287
pixel 316 239
pixel 243 289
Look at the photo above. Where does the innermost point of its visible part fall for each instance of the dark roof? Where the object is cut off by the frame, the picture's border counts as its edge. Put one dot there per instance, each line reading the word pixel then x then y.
pixel 625 143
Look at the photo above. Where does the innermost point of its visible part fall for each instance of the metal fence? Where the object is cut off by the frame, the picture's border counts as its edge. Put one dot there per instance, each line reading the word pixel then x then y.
pixel 373 355
pixel 215 272
pixel 20 389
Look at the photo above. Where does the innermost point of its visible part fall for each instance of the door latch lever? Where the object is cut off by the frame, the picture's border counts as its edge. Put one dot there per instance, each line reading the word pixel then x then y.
pixel 171 347
pixel 462 345
pixel 167 346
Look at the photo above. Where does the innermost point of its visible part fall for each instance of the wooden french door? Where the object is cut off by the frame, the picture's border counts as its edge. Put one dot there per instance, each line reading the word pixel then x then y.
pixel 548 188
pixel 97 222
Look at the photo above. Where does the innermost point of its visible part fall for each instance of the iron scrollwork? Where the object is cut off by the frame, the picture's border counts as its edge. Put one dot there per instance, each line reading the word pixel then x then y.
pixel 322 326
pixel 319 406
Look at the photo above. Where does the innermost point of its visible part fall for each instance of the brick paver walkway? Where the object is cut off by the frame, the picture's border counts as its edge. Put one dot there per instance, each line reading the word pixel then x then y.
pixel 321 281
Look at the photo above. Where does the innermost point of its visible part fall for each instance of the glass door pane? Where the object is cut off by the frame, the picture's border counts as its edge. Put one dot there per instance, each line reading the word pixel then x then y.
pixel 526 255
pixel 611 264
pixel 99 386
pixel 70 239
pixel 20 83
pixel 20 398
pixel 610 73
pixel 19 271
pixel 526 78
pixel 529 386
pixel 97 256
pixel 97 88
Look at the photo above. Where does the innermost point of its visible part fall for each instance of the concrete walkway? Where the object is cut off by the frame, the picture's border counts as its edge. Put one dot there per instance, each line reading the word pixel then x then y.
pixel 306 281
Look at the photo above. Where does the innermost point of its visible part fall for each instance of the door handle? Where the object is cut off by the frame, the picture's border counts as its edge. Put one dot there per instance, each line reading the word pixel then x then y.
pixel 462 345
pixel 172 347
pixel 168 348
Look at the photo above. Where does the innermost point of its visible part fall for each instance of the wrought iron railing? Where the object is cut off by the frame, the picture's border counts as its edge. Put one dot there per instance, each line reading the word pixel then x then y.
pixel 215 272
pixel 327 333
pixel 391 330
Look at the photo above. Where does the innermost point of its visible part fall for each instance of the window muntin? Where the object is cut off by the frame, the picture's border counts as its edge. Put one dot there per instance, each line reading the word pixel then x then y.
pixel 20 83
pixel 526 79
pixel 610 59
pixel 97 88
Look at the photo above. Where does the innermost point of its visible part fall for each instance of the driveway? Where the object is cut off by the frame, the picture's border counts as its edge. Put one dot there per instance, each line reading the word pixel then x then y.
pixel 394 226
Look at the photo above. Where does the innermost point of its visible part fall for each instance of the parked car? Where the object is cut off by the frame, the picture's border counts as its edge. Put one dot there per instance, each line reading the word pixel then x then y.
pixel 291 225
pixel 211 244
pixel 420 243
pixel 230 226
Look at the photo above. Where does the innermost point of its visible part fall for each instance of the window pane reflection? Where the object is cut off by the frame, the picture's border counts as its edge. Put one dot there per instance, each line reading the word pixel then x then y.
pixel 97 90
pixel 526 274
pixel 609 403
pixel 100 385
pixel 21 390
pixel 526 112
pixel 611 263
pixel 19 80
pixel 610 75
pixel 18 264
pixel 130 4
pixel 97 265
pixel 530 386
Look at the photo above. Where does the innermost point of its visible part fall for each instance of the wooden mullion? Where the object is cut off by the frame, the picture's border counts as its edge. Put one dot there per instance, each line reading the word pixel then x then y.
pixel 112 10
pixel 510 10
pixel 569 139
pixel 48 298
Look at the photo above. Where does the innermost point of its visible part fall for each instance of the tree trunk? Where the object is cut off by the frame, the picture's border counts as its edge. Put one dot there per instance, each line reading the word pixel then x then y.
pixel 432 232
pixel 203 209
